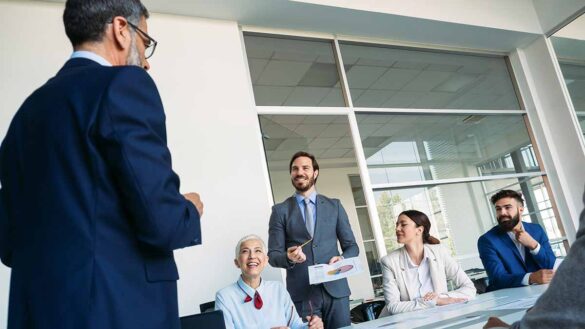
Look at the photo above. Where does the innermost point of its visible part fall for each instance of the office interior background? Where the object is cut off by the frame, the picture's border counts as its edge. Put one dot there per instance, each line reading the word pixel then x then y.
pixel 432 105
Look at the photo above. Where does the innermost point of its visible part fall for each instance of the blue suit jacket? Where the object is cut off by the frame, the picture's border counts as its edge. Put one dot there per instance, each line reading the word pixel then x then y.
pixel 501 259
pixel 287 229
pixel 90 209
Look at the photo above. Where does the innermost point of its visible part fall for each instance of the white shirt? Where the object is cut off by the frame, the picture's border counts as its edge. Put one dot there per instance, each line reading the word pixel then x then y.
pixel 418 277
pixel 91 56
pixel 521 250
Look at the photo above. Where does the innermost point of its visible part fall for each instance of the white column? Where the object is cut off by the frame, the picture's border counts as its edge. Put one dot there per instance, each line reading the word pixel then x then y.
pixel 555 127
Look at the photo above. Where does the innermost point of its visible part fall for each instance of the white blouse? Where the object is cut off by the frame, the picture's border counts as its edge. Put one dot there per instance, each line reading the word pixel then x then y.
pixel 418 277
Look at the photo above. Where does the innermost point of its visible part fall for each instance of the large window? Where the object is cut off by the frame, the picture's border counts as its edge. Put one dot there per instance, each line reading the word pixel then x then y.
pixel 386 77
pixel 413 129
pixel 293 71
pixel 413 148
pixel 369 241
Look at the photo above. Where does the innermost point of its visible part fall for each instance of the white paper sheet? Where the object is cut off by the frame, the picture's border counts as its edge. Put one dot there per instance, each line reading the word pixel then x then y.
pixel 522 303
pixel 342 269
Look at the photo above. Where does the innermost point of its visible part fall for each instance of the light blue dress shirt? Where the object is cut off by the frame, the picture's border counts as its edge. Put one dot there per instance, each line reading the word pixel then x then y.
pixel 313 205
pixel 278 308
pixel 91 56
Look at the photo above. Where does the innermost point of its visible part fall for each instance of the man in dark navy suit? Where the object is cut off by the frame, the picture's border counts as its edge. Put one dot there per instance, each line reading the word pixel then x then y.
pixel 515 253
pixel 90 209
pixel 313 217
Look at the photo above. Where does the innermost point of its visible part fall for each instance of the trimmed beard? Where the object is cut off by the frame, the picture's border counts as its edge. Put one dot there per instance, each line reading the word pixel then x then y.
pixel 508 225
pixel 303 188
pixel 133 57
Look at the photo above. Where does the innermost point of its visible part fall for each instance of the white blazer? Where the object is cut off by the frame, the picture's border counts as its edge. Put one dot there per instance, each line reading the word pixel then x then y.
pixel 442 267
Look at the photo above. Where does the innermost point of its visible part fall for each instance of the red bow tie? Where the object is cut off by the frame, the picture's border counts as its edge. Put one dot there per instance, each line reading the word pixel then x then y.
pixel 257 300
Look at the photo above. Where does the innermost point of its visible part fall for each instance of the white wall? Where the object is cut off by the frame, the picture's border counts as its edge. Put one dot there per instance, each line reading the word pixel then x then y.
pixel 334 183
pixel 213 132
pixel 214 136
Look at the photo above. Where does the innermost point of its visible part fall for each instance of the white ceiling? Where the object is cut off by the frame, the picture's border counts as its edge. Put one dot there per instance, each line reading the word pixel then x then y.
pixel 500 25
pixel 292 15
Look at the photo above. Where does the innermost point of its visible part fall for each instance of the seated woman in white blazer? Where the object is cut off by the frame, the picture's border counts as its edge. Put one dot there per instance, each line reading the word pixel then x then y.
pixel 415 275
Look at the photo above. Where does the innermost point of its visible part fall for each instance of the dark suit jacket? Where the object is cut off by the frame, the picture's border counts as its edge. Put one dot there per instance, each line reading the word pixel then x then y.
pixel 502 261
pixel 90 209
pixel 287 229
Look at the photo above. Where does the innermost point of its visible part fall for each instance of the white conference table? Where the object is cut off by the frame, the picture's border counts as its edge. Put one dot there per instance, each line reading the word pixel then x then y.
pixel 508 304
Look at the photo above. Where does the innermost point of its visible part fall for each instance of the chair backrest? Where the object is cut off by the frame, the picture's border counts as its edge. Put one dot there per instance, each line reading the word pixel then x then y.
pixel 367 311
pixel 207 320
pixel 479 278
pixel 207 307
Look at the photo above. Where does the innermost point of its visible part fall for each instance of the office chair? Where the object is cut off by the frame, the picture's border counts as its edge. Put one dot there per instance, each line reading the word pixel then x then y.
pixel 207 320
pixel 207 307
pixel 367 311
pixel 479 278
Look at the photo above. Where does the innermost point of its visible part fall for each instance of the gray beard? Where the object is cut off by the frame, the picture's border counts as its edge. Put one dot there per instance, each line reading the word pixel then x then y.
pixel 133 56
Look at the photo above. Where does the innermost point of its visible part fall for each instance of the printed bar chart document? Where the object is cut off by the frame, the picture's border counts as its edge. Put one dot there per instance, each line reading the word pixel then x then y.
pixel 342 269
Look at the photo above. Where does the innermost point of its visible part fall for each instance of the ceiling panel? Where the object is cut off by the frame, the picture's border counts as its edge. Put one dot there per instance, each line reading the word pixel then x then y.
pixel 310 130
pixel 265 95
pixel 360 76
pixel 427 80
pixel 323 143
pixel 395 79
pixel 306 96
pixel 373 98
pixel 336 130
pixel 283 73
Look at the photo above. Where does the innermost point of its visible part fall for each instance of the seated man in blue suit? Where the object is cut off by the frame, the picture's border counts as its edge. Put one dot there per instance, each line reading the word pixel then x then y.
pixel 515 253
pixel 90 209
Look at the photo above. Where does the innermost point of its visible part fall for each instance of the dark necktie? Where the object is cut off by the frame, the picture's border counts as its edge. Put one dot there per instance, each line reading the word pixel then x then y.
pixel 309 221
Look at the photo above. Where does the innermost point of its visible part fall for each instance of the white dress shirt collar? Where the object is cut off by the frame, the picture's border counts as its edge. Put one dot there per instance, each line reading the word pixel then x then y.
pixel 91 56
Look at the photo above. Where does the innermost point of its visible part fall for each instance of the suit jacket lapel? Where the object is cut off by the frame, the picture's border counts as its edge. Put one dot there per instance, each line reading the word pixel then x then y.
pixel 439 284
pixel 296 218
pixel 321 212
pixel 403 266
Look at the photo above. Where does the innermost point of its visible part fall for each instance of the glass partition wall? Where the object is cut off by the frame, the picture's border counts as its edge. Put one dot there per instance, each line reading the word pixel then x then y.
pixel 569 47
pixel 431 130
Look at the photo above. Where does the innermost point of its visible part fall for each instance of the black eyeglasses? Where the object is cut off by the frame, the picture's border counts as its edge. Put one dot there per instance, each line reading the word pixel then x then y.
pixel 151 46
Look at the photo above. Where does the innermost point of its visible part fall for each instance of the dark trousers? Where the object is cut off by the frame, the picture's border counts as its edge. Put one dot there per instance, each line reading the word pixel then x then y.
pixel 333 311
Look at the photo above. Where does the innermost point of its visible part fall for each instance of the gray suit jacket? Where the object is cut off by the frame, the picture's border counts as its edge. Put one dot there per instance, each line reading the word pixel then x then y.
pixel 563 303
pixel 287 229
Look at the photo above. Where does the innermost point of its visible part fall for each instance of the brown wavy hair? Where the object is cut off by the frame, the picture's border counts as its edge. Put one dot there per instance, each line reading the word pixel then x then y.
pixel 421 219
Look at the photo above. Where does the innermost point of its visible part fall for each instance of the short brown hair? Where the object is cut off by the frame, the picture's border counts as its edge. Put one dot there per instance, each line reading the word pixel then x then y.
pixel 303 154
pixel 507 194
